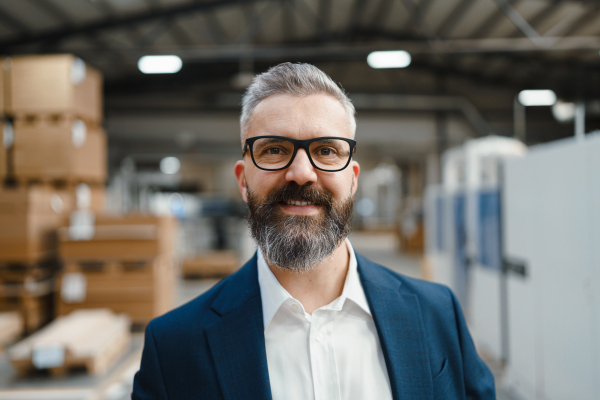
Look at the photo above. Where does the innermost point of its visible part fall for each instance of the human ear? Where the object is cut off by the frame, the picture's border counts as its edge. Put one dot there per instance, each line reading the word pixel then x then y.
pixel 238 170
pixel 355 172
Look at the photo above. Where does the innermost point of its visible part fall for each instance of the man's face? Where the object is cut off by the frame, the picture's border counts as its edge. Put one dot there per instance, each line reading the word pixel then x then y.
pixel 298 118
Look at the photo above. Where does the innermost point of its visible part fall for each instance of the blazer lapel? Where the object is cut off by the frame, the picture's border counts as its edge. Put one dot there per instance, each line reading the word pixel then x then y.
pixel 401 332
pixel 237 341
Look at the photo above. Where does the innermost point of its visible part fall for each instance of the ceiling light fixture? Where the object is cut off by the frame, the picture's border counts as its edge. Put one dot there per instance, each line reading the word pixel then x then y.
pixel 563 111
pixel 170 165
pixel 537 97
pixel 389 59
pixel 160 64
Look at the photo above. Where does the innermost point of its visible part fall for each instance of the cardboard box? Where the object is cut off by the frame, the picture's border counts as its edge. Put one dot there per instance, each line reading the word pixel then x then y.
pixel 54 84
pixel 143 291
pixel 29 217
pixel 67 149
pixel 2 91
pixel 213 264
pixel 129 237
pixel 88 197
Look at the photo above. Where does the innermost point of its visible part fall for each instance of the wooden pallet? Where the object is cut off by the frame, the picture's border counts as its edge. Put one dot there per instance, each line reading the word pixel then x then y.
pixel 33 300
pixel 22 274
pixel 90 339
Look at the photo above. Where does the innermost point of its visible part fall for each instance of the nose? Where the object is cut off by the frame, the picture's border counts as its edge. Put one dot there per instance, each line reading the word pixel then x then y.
pixel 301 171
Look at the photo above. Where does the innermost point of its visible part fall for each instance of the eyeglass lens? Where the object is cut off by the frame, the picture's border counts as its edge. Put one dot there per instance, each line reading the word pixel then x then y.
pixel 274 153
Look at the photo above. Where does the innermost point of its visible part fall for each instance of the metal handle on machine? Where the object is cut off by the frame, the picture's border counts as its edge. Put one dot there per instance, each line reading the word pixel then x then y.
pixel 518 267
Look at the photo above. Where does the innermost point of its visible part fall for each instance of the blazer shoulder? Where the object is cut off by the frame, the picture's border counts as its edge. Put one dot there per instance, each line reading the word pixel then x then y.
pixel 201 312
pixel 196 313
pixel 431 296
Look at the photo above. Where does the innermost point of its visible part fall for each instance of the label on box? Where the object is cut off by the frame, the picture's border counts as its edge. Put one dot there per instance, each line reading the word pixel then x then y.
pixel 48 356
pixel 78 133
pixel 82 225
pixel 77 74
pixel 73 288
pixel 8 136
pixel 83 193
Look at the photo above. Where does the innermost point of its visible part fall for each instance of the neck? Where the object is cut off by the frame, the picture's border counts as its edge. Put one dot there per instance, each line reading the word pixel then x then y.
pixel 319 286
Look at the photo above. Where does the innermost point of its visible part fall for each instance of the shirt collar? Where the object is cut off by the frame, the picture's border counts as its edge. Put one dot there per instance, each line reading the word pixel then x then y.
pixel 273 295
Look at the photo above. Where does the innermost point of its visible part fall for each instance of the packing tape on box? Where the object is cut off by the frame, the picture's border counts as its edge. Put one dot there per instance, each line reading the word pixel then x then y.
pixel 48 355
pixel 8 135
pixel 57 204
pixel 78 133
pixel 73 287
pixel 77 73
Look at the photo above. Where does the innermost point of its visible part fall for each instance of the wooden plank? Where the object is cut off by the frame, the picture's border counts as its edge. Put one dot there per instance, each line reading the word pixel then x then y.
pixel 93 339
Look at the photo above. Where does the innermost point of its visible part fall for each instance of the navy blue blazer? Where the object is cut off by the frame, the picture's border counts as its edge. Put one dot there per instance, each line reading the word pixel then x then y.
pixel 214 346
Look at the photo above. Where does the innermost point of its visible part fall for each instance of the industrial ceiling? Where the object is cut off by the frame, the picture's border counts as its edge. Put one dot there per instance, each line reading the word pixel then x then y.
pixel 469 57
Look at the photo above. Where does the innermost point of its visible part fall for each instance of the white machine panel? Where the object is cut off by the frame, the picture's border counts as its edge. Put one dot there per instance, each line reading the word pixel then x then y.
pixel 549 224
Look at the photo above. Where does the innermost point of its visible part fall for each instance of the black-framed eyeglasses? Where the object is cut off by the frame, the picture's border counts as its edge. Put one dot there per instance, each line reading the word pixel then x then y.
pixel 274 153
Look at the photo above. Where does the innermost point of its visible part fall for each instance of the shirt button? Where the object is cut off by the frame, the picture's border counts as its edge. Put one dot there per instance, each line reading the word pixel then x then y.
pixel 295 307
pixel 319 337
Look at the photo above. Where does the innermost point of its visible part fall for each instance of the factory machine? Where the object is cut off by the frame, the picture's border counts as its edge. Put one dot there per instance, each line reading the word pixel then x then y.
pixel 551 219
pixel 463 217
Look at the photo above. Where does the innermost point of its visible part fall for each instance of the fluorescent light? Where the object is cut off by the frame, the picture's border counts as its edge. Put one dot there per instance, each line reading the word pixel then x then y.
pixel 159 64
pixel 537 97
pixel 563 112
pixel 389 59
pixel 170 165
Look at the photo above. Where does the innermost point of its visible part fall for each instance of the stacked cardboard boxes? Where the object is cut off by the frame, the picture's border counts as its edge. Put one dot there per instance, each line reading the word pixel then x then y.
pixel 56 103
pixel 4 126
pixel 125 264
pixel 52 161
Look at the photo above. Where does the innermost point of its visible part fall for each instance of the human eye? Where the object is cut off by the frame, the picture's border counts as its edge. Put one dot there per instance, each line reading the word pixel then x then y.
pixel 326 151
pixel 273 151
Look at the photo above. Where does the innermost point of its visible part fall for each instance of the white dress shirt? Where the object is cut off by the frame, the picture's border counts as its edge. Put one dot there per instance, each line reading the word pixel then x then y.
pixel 333 354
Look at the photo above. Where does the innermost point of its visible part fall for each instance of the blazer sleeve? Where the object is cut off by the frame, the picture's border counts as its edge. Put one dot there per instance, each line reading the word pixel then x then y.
pixel 148 383
pixel 479 381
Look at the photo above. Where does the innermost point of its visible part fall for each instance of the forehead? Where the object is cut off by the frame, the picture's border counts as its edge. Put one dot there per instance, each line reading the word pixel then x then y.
pixel 299 117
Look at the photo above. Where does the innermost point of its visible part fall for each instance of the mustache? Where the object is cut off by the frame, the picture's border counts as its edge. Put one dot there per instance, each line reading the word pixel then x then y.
pixel 293 191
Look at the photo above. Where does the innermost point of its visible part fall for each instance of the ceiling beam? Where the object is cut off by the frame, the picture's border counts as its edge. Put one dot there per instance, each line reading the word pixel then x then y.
pixel 381 14
pixel 125 21
pixel 491 22
pixel 453 19
pixel 344 51
pixel 13 23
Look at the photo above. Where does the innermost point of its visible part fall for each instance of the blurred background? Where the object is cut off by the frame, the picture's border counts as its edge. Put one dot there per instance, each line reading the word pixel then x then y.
pixel 477 136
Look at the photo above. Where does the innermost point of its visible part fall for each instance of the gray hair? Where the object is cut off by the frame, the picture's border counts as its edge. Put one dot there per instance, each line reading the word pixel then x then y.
pixel 296 79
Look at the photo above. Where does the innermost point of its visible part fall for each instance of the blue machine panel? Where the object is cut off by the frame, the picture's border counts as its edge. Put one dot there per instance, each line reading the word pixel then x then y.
pixel 489 229
pixel 439 223
pixel 460 251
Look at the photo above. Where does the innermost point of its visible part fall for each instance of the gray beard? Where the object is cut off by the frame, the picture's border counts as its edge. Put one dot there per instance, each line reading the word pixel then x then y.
pixel 297 243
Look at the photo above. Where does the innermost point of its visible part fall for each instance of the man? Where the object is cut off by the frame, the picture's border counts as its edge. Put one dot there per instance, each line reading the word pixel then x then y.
pixel 307 317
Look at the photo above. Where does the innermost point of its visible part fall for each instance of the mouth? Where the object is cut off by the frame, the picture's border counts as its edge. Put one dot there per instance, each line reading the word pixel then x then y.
pixel 300 207
pixel 298 203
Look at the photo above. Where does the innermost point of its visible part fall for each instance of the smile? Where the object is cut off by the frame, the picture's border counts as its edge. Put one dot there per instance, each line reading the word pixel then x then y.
pixel 298 203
